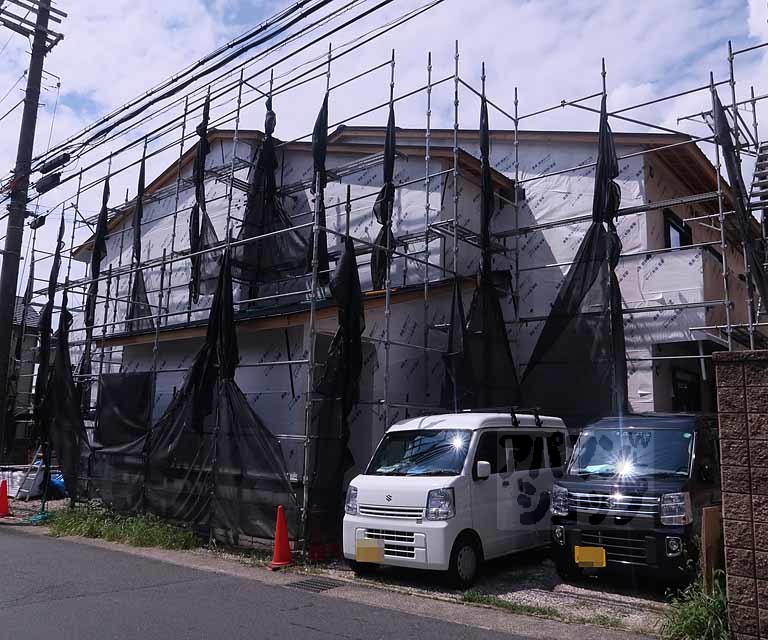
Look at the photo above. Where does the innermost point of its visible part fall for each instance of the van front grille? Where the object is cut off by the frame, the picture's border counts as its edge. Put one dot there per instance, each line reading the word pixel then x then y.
pixel 381 511
pixel 399 551
pixel 391 536
pixel 620 546
pixel 618 505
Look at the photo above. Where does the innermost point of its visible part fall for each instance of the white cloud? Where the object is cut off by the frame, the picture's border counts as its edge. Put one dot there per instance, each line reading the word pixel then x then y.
pixel 551 50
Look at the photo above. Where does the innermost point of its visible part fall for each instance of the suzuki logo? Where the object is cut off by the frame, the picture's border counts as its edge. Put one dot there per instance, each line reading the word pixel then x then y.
pixel 388 497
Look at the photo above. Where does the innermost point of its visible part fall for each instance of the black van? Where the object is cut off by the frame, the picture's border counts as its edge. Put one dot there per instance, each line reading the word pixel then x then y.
pixel 632 494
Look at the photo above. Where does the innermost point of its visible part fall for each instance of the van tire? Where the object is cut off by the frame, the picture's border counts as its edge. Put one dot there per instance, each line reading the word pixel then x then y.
pixel 466 557
pixel 362 568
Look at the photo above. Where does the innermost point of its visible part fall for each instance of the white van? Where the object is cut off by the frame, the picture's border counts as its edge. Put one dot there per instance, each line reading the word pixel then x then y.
pixel 446 492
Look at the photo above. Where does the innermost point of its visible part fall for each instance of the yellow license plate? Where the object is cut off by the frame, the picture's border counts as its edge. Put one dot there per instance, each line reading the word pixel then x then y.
pixel 369 551
pixel 589 557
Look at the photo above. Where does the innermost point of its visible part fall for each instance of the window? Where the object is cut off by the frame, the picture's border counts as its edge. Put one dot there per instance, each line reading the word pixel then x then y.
pixel 556 450
pixel 524 452
pixel 686 390
pixel 676 233
pixel 488 450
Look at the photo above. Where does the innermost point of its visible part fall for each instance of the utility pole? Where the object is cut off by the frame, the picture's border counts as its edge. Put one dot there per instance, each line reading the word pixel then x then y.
pixel 43 41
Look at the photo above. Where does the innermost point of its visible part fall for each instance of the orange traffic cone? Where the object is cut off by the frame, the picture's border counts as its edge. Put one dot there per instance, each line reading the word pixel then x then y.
pixel 281 555
pixel 4 510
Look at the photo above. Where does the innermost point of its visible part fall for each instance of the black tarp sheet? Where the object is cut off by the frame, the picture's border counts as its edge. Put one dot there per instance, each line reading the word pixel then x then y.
pixel 61 408
pixel 479 369
pixel 319 153
pixel 139 316
pixel 578 367
pixel 382 209
pixel 339 391
pixel 742 214
pixel 281 255
pixel 209 461
pixel 202 235
pixel 125 407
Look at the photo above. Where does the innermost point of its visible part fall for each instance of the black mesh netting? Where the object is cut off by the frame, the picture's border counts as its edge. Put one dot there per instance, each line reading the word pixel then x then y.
pixel 139 316
pixel 339 390
pixel 209 461
pixel 578 367
pixel 60 411
pixel 744 220
pixel 382 209
pixel 278 256
pixel 480 371
pixel 126 407
pixel 202 235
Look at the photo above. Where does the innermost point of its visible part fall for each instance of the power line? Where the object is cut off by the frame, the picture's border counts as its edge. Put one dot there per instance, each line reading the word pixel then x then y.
pixel 15 84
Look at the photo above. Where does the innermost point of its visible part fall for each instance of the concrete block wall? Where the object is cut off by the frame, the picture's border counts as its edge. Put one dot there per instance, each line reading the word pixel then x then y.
pixel 742 395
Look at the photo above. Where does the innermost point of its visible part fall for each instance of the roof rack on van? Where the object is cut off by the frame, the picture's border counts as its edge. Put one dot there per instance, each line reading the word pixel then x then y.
pixel 513 411
pixel 532 410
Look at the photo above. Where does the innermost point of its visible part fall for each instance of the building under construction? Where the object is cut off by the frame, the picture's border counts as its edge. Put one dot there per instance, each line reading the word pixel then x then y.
pixel 490 216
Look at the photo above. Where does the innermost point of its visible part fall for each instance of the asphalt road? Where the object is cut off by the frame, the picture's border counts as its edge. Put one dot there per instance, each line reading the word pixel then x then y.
pixel 60 589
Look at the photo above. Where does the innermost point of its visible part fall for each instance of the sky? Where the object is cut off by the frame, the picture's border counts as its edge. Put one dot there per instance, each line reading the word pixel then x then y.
pixel 549 49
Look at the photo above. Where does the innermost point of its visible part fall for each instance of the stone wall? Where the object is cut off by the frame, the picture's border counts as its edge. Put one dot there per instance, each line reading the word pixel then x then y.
pixel 742 394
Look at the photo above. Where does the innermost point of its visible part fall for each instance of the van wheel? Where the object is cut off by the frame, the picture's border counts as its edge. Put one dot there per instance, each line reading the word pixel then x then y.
pixel 465 562
pixel 362 568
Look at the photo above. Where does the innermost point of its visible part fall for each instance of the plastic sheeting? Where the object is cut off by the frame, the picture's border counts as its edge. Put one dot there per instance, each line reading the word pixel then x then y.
pixel 280 255
pixel 382 209
pixel 578 367
pixel 339 387
pixel 755 257
pixel 60 411
pixel 125 407
pixel 209 461
pixel 202 235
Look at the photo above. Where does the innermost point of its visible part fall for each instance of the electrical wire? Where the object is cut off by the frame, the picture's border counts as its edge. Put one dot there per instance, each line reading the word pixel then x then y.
pixel 15 84
pixel 352 45
pixel 164 86
pixel 262 71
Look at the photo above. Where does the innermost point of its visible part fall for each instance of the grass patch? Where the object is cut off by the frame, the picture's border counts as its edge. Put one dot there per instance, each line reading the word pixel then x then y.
pixel 697 615
pixel 475 597
pixel 603 620
pixel 136 530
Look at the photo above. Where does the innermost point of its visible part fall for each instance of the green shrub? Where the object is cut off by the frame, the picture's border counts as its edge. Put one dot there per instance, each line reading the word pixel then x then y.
pixel 697 615
pixel 138 530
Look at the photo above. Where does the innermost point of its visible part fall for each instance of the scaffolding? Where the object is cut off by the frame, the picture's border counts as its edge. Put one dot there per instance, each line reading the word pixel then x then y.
pixel 445 231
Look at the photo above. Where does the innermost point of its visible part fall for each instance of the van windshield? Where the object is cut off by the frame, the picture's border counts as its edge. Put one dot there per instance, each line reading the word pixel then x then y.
pixel 628 453
pixel 438 452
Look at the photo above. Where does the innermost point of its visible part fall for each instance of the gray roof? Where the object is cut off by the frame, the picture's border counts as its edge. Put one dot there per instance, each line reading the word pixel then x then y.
pixel 33 317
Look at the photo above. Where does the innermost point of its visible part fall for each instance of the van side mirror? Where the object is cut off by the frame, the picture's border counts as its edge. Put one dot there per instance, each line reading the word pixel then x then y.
pixel 483 470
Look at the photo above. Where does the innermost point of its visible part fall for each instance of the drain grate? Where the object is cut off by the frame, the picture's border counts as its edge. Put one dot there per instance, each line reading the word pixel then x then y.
pixel 316 585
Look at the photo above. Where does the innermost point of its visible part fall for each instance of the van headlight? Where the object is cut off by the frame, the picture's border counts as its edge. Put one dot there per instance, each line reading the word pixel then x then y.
pixel 676 508
pixel 559 504
pixel 350 505
pixel 440 504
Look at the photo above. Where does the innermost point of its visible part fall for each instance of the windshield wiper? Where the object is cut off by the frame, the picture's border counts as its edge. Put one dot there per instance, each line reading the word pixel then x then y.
pixel 435 472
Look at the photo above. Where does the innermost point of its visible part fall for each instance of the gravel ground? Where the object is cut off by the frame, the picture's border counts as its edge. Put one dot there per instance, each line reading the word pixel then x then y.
pixel 530 579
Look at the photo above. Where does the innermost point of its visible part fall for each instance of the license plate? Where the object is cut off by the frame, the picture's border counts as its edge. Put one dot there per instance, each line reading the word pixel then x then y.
pixel 589 557
pixel 369 551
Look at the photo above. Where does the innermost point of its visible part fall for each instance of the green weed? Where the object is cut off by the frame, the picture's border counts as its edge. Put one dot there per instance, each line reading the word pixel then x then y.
pixel 697 615
pixel 135 530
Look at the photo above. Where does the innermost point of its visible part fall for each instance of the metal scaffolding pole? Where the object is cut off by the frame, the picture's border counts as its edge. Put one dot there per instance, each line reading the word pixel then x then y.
pixel 388 279
pixel 427 185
